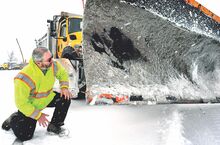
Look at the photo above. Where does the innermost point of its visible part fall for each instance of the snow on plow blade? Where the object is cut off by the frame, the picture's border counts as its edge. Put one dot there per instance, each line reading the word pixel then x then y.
pixel 150 51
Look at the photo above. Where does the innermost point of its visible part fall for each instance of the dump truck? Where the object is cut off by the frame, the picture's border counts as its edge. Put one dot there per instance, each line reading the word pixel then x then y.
pixel 150 52
pixel 64 39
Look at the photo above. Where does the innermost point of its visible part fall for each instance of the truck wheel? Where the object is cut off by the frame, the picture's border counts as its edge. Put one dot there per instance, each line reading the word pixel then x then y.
pixel 81 94
pixel 69 53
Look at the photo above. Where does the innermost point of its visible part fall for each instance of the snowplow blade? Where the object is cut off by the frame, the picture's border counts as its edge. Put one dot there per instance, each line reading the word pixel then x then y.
pixel 150 51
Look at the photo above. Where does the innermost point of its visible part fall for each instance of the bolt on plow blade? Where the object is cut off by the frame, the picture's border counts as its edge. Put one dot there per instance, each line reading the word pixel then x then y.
pixel 150 51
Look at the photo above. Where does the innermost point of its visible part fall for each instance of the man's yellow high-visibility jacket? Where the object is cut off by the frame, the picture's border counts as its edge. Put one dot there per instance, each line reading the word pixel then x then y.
pixel 34 90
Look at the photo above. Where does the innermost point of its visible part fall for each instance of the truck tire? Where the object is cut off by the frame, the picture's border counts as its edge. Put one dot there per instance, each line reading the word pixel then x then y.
pixel 81 94
pixel 69 53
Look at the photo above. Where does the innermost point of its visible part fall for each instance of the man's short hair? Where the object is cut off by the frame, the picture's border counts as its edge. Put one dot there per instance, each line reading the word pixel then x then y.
pixel 38 53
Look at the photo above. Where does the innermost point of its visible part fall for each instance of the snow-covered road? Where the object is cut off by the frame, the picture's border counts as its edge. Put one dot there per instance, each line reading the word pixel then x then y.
pixel 174 124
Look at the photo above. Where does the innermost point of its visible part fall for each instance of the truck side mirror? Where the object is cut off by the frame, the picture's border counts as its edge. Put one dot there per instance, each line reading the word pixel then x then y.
pixel 52 27
pixel 64 39
pixel 73 37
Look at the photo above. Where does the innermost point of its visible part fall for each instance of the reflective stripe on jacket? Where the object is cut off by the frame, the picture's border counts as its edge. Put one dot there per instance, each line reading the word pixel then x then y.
pixel 34 90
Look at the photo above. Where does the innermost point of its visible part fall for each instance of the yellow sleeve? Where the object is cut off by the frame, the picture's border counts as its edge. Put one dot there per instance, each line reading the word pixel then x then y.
pixel 23 101
pixel 62 76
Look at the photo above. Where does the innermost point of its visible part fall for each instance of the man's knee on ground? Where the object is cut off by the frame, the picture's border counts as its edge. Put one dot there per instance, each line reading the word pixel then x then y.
pixel 23 127
pixel 24 137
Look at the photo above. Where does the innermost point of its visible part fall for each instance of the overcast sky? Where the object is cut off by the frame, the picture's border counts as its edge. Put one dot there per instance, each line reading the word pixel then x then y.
pixel 26 21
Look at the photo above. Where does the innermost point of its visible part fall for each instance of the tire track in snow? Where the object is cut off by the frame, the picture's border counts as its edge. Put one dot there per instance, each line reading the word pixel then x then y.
pixel 173 130
pixel 213 121
pixel 201 123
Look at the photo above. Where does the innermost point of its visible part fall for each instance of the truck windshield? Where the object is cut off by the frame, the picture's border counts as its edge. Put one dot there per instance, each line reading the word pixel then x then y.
pixel 75 25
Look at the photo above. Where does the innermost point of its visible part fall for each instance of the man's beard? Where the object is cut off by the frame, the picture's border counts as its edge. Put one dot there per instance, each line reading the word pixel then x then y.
pixel 45 67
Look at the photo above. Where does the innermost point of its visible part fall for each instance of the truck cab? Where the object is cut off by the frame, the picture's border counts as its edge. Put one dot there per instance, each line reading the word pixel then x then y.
pixel 69 33
pixel 64 39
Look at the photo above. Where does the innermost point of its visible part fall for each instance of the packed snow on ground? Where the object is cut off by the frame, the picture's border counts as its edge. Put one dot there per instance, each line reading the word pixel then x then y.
pixel 186 124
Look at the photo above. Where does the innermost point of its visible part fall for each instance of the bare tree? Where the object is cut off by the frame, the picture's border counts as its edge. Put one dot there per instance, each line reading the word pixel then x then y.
pixel 11 57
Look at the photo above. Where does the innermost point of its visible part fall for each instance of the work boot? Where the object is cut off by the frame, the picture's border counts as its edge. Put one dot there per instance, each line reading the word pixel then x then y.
pixel 61 132
pixel 54 129
pixel 6 124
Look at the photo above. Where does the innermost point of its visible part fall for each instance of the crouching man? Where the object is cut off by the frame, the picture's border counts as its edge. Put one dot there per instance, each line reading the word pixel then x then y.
pixel 34 92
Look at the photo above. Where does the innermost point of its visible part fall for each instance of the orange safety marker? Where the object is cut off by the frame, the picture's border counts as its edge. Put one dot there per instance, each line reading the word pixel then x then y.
pixel 203 9
pixel 117 98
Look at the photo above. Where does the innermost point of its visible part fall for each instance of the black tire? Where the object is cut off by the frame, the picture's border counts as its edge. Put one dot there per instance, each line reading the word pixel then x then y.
pixel 69 53
pixel 81 94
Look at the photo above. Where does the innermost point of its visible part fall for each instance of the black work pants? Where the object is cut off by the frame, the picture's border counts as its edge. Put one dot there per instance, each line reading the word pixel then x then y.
pixel 24 127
